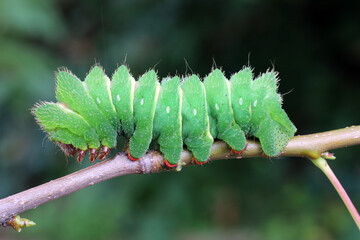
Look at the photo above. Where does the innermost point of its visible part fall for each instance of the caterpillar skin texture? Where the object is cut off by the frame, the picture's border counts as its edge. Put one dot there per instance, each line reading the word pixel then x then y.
pixel 90 114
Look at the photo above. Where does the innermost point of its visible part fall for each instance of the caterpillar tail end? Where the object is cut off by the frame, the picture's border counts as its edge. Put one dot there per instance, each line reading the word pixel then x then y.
pixel 169 165
pixel 131 158
pixel 104 152
pixel 199 163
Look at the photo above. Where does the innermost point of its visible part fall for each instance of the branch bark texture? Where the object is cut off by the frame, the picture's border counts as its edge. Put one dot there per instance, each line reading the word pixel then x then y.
pixel 309 146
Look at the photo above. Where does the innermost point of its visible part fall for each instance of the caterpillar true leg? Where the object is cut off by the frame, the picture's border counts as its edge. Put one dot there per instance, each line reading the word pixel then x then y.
pixel 104 152
pixel 81 155
pixel 93 154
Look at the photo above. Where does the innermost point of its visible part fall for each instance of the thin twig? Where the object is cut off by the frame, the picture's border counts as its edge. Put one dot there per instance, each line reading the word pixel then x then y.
pixel 325 168
pixel 309 146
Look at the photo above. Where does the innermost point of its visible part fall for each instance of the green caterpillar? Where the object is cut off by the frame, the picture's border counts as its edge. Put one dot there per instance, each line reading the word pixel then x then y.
pixel 90 114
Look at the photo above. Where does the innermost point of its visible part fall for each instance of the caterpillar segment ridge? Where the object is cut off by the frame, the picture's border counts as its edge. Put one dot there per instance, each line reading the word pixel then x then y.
pixel 90 114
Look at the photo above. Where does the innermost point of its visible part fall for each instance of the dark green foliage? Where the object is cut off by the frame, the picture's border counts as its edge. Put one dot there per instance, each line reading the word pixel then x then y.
pixel 315 47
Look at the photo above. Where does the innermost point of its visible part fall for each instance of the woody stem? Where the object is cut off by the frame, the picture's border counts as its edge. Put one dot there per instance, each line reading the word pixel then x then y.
pixel 309 146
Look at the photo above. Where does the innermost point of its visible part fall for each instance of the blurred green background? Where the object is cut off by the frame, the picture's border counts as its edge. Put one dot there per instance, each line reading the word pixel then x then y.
pixel 315 47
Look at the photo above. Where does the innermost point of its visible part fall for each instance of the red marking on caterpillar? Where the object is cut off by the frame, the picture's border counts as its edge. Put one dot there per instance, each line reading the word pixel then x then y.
pixel 131 158
pixel 169 164
pixel 199 163
pixel 238 152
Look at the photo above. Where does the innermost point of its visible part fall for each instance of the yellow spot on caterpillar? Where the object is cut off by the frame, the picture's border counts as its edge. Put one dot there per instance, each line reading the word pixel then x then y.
pixel 142 101
pixel 217 106
pixel 167 109
pixel 194 112
pixel 98 100
pixel 241 101
pixel 118 97
pixel 255 103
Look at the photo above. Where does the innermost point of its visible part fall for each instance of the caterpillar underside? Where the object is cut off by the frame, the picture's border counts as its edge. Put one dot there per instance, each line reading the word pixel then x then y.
pixel 90 114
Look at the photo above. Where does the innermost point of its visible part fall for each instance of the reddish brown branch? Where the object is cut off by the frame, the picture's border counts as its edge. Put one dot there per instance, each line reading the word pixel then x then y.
pixel 310 146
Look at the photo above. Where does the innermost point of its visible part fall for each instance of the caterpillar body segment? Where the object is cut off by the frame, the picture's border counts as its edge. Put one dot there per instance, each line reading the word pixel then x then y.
pixel 262 106
pixel 89 114
pixel 219 102
pixel 168 120
pixel 122 93
pixel 145 100
pixel 196 124
pixel 98 86
pixel 241 98
pixel 74 93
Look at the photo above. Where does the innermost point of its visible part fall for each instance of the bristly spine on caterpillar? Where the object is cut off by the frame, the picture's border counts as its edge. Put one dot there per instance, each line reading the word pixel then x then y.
pixel 90 114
